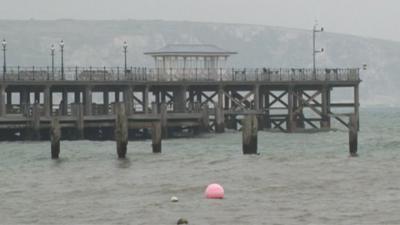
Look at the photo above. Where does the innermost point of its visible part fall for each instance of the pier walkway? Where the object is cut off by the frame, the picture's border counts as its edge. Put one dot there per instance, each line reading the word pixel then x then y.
pixel 288 99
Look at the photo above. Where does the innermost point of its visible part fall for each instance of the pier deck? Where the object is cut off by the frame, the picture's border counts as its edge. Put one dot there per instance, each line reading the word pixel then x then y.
pixel 84 98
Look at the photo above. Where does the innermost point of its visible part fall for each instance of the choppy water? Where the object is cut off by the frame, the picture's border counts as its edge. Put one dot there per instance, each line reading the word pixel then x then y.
pixel 297 179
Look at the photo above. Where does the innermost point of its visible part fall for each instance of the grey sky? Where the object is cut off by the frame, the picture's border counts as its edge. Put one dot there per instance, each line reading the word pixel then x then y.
pixel 371 18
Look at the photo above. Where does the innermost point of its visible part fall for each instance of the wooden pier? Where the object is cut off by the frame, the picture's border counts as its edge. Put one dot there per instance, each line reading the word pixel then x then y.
pixel 85 101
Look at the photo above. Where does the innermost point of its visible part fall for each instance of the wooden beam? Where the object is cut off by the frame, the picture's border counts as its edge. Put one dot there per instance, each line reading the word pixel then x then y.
pixel 278 98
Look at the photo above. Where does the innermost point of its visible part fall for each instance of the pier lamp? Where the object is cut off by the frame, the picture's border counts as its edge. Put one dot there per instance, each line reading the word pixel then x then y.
pixel 125 46
pixel 62 59
pixel 315 31
pixel 4 44
pixel 52 49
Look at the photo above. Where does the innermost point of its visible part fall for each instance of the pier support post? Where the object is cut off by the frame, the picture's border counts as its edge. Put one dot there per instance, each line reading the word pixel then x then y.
pixel 219 119
pixel 180 99
pixel 36 121
pixel 2 101
pixel 154 108
pixel 55 136
pixel 77 112
pixel 146 100
pixel 156 137
pixel 219 112
pixel 205 118
pixel 77 97
pixel 353 136
pixel 326 120
pixel 9 101
pixel 64 105
pixel 267 116
pixel 88 101
pixel 163 120
pixel 37 97
pixel 46 102
pixel 260 110
pixel 357 106
pixel 121 130
pixel 24 102
pixel 291 122
pixel 249 135
pixel 116 96
pixel 106 102
pixel 300 115
pixel 256 99
pixel 128 99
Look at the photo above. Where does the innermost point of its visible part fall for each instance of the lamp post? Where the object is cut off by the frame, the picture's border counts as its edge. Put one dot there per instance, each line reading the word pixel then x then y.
pixel 4 44
pixel 52 48
pixel 62 59
pixel 125 46
pixel 315 31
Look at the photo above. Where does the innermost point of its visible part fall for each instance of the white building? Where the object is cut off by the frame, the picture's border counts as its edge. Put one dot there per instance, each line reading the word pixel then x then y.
pixel 190 59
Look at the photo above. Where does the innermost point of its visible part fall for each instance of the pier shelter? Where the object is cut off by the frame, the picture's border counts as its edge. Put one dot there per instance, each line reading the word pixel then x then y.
pixel 179 60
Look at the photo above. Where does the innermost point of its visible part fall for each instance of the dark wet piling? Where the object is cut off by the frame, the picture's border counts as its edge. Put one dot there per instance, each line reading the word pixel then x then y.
pixel 121 130
pixel 250 129
pixel 55 136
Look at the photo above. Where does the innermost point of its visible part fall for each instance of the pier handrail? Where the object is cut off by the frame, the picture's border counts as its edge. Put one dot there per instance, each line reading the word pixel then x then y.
pixel 172 74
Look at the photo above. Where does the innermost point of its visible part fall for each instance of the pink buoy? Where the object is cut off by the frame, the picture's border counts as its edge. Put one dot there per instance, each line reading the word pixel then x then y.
pixel 214 191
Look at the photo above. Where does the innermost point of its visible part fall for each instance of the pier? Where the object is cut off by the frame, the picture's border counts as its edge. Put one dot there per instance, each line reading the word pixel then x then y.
pixel 84 100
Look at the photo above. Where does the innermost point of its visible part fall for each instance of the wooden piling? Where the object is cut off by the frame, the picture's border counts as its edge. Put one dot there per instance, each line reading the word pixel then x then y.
pixel 196 107
pixel 219 118
pixel 146 100
pixel 154 108
pixel 55 136
pixel 156 137
pixel 180 99
pixel 46 101
pixel 249 129
pixel 88 100
pixel 106 102
pixel 267 116
pixel 80 126
pixel 2 102
pixel 163 120
pixel 128 99
pixel 121 130
pixel 325 122
pixel 291 119
pixel 353 136
pixel 64 105
pixel 205 121
pixel 36 121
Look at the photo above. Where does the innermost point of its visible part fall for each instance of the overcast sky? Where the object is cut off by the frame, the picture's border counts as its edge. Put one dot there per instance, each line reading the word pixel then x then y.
pixel 371 18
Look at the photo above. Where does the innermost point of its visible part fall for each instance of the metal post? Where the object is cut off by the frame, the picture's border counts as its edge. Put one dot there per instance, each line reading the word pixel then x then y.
pixel 315 51
pixel 62 59
pixel 4 44
pixel 125 62
pixel 52 60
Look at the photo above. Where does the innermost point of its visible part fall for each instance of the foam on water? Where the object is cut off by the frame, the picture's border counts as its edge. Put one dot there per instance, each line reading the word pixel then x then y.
pixel 297 179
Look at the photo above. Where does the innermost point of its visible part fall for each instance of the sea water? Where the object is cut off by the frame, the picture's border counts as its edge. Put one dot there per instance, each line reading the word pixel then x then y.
pixel 297 179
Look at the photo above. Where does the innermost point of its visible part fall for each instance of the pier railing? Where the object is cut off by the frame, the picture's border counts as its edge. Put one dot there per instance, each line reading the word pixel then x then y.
pixel 192 74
